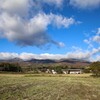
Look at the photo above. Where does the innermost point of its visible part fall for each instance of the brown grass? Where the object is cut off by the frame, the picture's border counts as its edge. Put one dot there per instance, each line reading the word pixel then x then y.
pixel 49 87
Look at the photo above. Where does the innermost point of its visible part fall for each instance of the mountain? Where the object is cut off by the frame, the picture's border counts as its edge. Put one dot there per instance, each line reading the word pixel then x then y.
pixel 12 60
pixel 62 62
pixel 77 63
pixel 74 61
pixel 44 61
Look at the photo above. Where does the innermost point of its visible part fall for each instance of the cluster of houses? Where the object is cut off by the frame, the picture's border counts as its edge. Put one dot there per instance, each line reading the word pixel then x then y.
pixel 68 71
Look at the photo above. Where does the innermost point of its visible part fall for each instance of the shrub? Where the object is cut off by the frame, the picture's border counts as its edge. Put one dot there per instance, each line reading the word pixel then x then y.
pixel 95 68
pixel 10 67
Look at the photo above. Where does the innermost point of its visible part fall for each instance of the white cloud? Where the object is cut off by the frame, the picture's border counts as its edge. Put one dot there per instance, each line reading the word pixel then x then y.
pixel 29 31
pixel 78 54
pixel 85 4
pixel 93 39
pixel 60 21
pixel 7 56
pixel 96 39
pixel 97 58
pixel 89 42
pixel 98 32
pixel 94 51
pixel 15 6
pixel 86 41
pixel 61 44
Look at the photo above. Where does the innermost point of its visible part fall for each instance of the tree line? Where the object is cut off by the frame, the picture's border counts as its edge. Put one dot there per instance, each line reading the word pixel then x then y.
pixel 93 68
pixel 10 67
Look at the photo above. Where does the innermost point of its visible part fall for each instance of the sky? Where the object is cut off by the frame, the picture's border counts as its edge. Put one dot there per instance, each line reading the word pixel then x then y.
pixel 50 29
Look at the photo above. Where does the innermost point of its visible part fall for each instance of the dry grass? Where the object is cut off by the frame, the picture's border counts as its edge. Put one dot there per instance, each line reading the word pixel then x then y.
pixel 49 87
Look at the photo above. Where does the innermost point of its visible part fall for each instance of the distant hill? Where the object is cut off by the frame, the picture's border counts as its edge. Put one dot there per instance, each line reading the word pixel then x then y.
pixel 77 63
pixel 12 60
pixel 44 61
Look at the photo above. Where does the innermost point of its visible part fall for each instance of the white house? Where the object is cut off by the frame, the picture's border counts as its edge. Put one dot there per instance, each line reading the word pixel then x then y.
pixel 48 71
pixel 74 71
pixel 64 72
pixel 54 72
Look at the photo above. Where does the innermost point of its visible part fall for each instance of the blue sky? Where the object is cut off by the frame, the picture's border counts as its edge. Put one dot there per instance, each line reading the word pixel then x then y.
pixel 50 29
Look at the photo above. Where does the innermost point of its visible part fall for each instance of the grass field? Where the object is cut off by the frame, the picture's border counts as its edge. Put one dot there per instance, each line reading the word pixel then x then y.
pixel 49 87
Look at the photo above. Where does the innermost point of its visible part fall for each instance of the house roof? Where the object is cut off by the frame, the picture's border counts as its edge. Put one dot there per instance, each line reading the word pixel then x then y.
pixel 75 69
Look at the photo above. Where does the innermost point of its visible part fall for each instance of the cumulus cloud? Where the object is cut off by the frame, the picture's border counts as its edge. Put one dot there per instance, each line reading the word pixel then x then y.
pixel 7 55
pixel 15 6
pixel 32 31
pixel 22 7
pixel 78 54
pixel 97 58
pixel 93 39
pixel 96 38
pixel 60 21
pixel 94 51
pixel 61 44
pixel 85 4
pixel 98 32
pixel 29 31
pixel 89 42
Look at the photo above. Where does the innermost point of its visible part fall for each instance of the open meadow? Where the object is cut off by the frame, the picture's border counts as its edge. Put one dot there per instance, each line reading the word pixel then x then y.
pixel 49 87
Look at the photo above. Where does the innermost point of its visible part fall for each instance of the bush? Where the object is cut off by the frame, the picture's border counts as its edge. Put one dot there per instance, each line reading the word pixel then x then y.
pixel 87 70
pixel 10 67
pixel 58 69
pixel 95 68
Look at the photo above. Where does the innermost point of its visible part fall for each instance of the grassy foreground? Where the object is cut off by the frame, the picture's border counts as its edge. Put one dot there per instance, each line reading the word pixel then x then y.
pixel 49 87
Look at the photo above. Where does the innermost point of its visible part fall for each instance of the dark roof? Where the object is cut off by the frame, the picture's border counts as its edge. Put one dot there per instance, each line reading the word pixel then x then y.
pixel 75 69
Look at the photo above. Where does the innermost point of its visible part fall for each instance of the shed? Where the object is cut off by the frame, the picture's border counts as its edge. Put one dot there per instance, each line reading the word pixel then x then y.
pixel 74 71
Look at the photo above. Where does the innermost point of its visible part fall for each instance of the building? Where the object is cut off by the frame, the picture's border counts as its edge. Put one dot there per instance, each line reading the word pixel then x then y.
pixel 54 72
pixel 48 71
pixel 64 72
pixel 74 71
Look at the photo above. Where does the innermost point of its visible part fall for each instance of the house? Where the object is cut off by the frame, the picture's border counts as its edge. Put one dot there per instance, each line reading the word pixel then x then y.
pixel 54 72
pixel 48 71
pixel 64 72
pixel 74 71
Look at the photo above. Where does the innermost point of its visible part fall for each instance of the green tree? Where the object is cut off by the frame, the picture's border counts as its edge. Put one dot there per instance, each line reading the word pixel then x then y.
pixel 87 69
pixel 11 67
pixel 58 69
pixel 95 68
